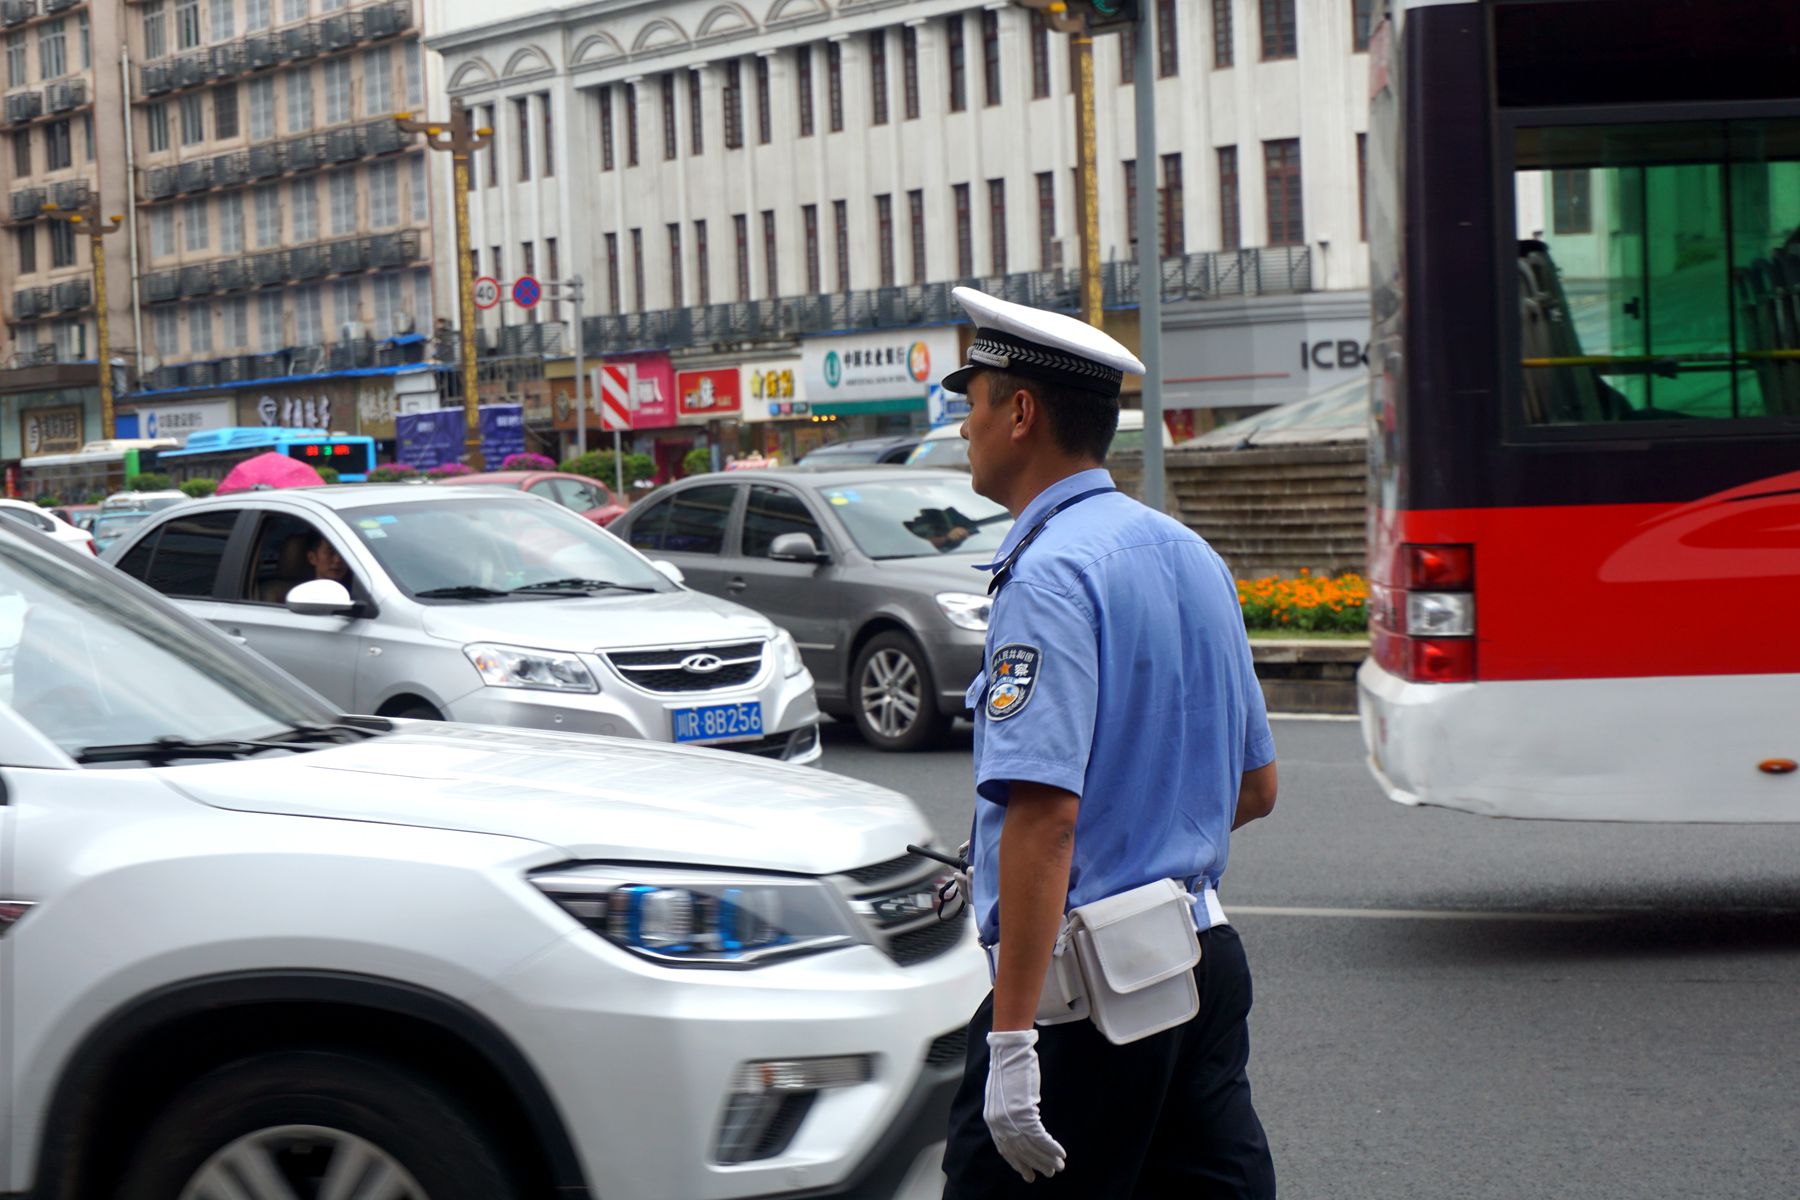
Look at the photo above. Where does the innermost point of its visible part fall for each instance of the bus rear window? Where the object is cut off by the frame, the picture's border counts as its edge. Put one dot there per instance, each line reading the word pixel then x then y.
pixel 1658 272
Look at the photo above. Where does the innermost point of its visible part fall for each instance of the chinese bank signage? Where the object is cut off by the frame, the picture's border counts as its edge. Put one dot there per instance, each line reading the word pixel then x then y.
pixel 176 421
pixel 51 430
pixel 887 365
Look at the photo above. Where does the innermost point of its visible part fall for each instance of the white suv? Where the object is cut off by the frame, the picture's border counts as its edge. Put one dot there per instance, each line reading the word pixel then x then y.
pixel 252 948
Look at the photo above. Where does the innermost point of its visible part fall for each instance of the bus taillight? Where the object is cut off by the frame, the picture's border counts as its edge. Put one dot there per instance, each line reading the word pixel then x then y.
pixel 1424 630
pixel 1439 568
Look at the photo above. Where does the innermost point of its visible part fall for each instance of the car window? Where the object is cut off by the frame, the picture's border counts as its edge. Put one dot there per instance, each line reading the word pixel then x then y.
pixel 189 554
pixel 25 516
pixel 647 531
pixel 136 562
pixel 290 550
pixel 694 522
pixel 940 452
pixel 919 518
pixel 571 495
pixel 770 512
pixel 587 497
pixel 545 488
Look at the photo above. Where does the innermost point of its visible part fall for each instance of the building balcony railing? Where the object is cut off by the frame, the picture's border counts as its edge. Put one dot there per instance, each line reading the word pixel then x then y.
pixel 267 160
pixel 1278 269
pixel 162 285
pixel 31 302
pixel 264 51
pixel 52 7
pixel 346 354
pixel 341 256
pixel 195 176
pixel 72 295
pixel 156 78
pixel 16 12
pixel 197 280
pixel 24 106
pixel 65 95
pixel 27 204
pixel 71 193
pixel 192 70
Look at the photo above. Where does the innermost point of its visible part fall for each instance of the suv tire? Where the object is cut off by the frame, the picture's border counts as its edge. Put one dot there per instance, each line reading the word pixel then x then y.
pixel 893 696
pixel 297 1115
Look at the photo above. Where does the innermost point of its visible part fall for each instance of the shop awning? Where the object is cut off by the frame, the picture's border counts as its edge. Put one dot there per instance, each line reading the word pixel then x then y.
pixel 870 408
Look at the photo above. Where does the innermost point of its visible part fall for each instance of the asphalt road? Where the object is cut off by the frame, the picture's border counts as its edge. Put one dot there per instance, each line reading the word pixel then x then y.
pixel 1452 1006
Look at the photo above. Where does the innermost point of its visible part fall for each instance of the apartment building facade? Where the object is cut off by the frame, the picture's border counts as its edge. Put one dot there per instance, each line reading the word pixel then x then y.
pixel 278 238
pixel 743 184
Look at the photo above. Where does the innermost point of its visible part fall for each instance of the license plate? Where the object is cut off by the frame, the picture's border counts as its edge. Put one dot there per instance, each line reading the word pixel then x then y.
pixel 718 722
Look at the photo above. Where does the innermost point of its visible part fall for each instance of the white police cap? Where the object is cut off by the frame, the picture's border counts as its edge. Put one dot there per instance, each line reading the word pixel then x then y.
pixel 1039 344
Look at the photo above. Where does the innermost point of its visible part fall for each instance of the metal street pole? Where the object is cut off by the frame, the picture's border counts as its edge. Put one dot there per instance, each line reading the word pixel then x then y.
pixel 575 297
pixel 1087 136
pixel 460 141
pixel 1149 253
pixel 89 221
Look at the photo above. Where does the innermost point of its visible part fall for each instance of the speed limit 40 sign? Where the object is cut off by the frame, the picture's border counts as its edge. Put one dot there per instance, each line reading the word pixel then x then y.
pixel 487 292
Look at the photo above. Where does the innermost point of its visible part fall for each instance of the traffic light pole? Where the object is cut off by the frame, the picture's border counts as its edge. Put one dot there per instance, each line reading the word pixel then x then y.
pixel 1149 260
pixel 89 221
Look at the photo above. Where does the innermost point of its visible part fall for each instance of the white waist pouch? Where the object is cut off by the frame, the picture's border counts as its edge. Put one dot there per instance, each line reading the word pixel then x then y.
pixel 1136 952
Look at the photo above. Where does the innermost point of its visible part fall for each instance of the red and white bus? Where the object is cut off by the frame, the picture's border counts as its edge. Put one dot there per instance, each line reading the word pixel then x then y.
pixel 1584 534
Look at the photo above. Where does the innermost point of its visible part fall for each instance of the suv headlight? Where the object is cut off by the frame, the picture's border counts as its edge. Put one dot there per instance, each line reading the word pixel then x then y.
pixel 689 918
pixel 966 609
pixel 790 653
pixel 537 670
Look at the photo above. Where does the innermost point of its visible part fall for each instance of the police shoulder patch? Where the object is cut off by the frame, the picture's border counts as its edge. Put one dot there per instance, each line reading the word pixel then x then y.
pixel 1012 678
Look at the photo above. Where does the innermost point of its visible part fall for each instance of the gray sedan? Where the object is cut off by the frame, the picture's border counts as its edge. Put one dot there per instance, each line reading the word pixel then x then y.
pixel 872 569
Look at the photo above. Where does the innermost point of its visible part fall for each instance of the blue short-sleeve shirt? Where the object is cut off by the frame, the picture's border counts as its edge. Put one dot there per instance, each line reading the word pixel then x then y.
pixel 1116 668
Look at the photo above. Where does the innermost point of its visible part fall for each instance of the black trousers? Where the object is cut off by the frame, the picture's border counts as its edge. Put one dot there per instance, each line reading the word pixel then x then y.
pixel 1168 1116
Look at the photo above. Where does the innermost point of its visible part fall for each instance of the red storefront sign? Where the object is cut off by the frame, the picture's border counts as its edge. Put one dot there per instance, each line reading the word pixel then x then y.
pixel 708 393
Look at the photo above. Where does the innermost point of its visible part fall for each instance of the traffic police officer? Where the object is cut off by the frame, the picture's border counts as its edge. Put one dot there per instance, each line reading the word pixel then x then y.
pixel 1120 736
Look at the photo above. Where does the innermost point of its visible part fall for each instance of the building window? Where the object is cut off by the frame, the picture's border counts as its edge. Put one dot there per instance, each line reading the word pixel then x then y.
pixel 162 232
pixel 1281 170
pixel 346 305
pixel 87 135
pixel 309 315
pixel 268 323
pixel 196 221
pixel 257 15
pixel 909 69
pixel 1040 57
pixel 414 65
pixel 199 318
pixel 878 79
pixel 702 266
pixel 25 239
pixel 637 266
pixel 809 222
pixel 1131 206
pixel 1174 216
pixel 156 32
pixel 740 227
pixel 696 116
pixel 614 298
pixel 1168 50
pixel 62 243
pixel 337 91
pixel 915 203
pixel 193 116
pixel 384 194
pixel 343 202
pixel 58 152
pixel 187 24
pixel 884 238
pixel 997 224
pixel 834 84
pixel 956 65
pixel 606 128
pixel 416 186
pixel 86 40
pixel 771 264
pixel 734 105
pixel 156 131
pixel 840 215
pixel 267 202
pixel 222 26
pixel 299 100
pixel 990 56
pixel 1278 36
pixel 965 232
pixel 378 81
pixel 225 111
pixel 293 10
pixel 1128 55
pixel 1571 201
pixel 237 323
pixel 522 134
pixel 303 204
pixel 549 135
pixel 53 54
pixel 677 298
pixel 764 121
pixel 168 331
pixel 671 143
pixel 804 88
pixel 1046 197
pixel 631 125
pixel 1362 186
pixel 1230 238
pixel 492 153
pixel 262 110
pixel 1362 17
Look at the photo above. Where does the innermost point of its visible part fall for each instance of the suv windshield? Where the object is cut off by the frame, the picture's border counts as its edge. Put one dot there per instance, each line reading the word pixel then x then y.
pixel 913 519
pixel 496 544
pixel 89 661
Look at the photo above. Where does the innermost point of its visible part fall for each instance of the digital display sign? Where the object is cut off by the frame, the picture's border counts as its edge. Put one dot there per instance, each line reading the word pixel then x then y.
pixel 321 451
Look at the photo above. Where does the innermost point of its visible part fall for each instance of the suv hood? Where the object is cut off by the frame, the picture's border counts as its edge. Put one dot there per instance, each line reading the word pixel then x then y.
pixel 593 798
pixel 607 620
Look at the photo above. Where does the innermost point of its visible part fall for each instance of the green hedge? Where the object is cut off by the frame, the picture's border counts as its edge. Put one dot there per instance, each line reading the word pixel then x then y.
pixel 199 487
pixel 598 464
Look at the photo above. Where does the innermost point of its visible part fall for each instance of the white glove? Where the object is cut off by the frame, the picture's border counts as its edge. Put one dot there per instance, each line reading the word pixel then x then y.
pixel 1012 1105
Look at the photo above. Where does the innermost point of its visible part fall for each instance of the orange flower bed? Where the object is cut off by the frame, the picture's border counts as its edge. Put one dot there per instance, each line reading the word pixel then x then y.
pixel 1308 604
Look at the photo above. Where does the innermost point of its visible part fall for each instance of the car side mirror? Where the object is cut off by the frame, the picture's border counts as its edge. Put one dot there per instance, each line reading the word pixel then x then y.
pixel 670 571
pixel 320 598
pixel 797 547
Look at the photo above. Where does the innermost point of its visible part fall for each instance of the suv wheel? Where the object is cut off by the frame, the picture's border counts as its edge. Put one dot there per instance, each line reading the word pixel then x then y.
pixel 893 697
pixel 314 1124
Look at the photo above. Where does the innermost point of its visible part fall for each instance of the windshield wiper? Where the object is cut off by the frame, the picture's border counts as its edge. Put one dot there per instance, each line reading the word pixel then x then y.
pixel 461 591
pixel 581 585
pixel 171 749
pixel 323 734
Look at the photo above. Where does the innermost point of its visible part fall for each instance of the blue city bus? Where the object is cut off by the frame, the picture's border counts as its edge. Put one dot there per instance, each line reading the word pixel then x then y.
pixel 212 453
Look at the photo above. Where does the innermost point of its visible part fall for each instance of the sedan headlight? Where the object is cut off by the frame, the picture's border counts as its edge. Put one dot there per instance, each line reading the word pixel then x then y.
pixel 536 670
pixel 790 653
pixel 966 609
pixel 686 918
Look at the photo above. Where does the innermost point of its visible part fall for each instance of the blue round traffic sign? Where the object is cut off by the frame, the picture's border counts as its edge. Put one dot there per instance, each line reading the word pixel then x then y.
pixel 526 292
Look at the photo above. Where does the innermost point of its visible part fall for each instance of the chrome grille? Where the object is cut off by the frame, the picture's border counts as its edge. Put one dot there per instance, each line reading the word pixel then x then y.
pixel 662 670
pixel 898 910
pixel 891 869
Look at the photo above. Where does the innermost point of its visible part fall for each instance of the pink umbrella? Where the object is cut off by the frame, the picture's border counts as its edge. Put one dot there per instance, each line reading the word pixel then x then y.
pixel 269 470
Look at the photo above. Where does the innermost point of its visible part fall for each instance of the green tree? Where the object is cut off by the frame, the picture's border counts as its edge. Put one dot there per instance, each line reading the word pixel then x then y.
pixel 199 487
pixel 697 461
pixel 327 474
pixel 150 481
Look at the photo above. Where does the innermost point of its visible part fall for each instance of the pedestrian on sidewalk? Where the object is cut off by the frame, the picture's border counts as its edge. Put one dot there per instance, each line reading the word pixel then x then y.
pixel 1120 736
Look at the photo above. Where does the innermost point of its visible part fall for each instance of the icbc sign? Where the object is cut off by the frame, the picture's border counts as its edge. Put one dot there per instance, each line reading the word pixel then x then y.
pixel 707 393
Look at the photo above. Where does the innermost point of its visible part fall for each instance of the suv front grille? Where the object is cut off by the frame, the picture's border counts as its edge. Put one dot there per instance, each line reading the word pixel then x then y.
pixel 908 863
pixel 953 1047
pixel 663 670
pixel 896 900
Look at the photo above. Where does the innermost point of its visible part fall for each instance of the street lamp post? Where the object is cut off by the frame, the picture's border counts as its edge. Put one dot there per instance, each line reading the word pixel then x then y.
pixel 88 220
pixel 458 138
pixel 1087 200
